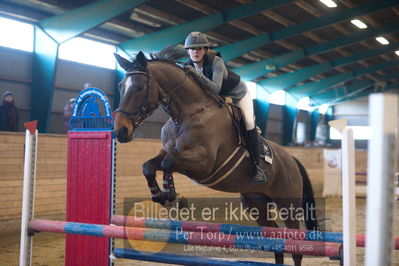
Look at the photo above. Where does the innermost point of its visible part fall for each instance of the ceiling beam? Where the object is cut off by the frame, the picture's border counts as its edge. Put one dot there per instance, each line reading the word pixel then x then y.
pixel 258 69
pixel 236 49
pixel 171 36
pixel 313 87
pixel 205 9
pixel 173 21
pixel 212 36
pixel 312 10
pixel 70 24
pixel 283 43
pixel 371 21
pixel 354 93
pixel 339 92
pixel 396 10
pixel 208 10
pixel 252 55
pixel 390 76
pixel 284 81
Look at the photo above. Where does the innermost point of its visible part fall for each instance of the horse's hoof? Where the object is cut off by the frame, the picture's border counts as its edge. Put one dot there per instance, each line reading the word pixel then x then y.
pixel 182 201
pixel 159 200
pixel 169 196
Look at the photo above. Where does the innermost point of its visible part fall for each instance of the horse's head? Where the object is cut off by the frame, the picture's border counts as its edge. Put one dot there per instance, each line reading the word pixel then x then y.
pixel 138 98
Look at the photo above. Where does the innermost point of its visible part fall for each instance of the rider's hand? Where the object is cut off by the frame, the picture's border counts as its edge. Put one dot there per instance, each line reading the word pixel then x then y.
pixel 190 68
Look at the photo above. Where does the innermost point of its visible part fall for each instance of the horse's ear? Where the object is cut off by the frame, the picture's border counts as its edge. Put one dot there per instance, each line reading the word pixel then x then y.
pixel 124 63
pixel 141 61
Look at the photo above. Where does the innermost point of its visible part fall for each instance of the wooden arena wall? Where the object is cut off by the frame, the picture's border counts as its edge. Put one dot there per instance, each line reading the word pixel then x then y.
pixel 51 175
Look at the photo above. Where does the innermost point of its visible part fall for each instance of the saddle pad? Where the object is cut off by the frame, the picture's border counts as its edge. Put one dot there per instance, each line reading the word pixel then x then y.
pixel 266 151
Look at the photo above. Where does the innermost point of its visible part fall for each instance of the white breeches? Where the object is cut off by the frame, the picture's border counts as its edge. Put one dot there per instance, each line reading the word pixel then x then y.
pixel 247 108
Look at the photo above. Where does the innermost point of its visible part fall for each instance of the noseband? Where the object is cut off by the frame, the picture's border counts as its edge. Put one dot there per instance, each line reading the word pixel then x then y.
pixel 143 110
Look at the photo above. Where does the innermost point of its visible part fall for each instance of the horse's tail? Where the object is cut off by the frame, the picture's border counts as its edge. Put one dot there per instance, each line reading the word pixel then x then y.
pixel 308 201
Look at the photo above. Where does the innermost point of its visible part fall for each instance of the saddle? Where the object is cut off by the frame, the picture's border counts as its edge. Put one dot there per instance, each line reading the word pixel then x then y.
pixel 239 126
pixel 238 121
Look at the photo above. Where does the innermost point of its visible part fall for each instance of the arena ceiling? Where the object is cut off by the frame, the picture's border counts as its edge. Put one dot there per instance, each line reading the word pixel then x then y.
pixel 301 46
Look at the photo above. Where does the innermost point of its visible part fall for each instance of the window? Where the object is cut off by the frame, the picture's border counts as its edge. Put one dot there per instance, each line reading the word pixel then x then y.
pixel 278 97
pixel 15 34
pixel 252 89
pixel 359 133
pixel 300 132
pixel 321 131
pixel 323 108
pixel 303 104
pixel 262 94
pixel 89 52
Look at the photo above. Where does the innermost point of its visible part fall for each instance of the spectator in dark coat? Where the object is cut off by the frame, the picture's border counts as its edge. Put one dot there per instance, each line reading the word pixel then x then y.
pixel 9 117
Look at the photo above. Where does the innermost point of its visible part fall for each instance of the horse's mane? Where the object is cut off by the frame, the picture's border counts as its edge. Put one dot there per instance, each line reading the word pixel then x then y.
pixel 171 54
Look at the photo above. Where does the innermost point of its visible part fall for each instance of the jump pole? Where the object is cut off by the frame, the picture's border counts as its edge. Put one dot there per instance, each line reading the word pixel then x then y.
pixel 349 197
pixel 382 167
pixel 348 191
pixel 313 248
pixel 263 231
pixel 171 258
pixel 31 140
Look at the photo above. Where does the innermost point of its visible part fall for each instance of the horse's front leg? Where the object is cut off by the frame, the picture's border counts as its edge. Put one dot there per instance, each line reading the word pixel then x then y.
pixel 193 160
pixel 168 166
pixel 150 168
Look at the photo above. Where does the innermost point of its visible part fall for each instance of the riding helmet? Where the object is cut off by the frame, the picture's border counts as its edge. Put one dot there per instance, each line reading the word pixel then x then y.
pixel 196 39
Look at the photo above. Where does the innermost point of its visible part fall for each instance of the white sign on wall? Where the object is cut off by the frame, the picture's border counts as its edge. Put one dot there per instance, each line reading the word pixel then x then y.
pixel 332 173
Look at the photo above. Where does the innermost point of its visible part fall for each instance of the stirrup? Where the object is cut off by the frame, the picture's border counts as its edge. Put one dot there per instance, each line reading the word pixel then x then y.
pixel 260 175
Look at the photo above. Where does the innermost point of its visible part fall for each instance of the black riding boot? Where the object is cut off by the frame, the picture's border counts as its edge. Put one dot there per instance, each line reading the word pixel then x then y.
pixel 253 143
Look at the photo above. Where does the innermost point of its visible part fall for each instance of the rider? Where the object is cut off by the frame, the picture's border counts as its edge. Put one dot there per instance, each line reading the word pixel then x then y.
pixel 212 70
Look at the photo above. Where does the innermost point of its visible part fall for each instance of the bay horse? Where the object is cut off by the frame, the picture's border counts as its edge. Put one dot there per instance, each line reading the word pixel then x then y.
pixel 199 141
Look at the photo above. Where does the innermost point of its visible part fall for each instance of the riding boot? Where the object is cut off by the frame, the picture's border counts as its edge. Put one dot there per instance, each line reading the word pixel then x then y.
pixel 253 143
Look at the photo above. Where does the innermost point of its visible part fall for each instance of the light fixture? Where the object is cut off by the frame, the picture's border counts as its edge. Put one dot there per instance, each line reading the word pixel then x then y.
pixel 270 67
pixel 359 24
pixel 397 52
pixel 382 40
pixel 329 3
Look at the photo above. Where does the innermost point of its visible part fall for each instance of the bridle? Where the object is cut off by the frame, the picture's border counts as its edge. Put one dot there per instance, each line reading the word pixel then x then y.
pixel 145 110
pixel 142 112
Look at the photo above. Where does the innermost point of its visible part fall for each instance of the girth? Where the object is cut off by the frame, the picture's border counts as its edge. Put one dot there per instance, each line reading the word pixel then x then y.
pixel 236 157
pixel 226 168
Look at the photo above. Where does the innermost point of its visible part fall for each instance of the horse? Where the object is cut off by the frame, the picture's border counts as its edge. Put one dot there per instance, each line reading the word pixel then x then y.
pixel 199 141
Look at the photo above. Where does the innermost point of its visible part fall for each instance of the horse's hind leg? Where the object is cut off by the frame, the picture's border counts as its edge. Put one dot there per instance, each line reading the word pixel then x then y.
pixel 150 168
pixel 260 201
pixel 291 221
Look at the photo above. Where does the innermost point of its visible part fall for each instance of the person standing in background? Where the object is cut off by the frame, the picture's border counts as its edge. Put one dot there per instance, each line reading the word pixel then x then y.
pixel 9 114
pixel 68 113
